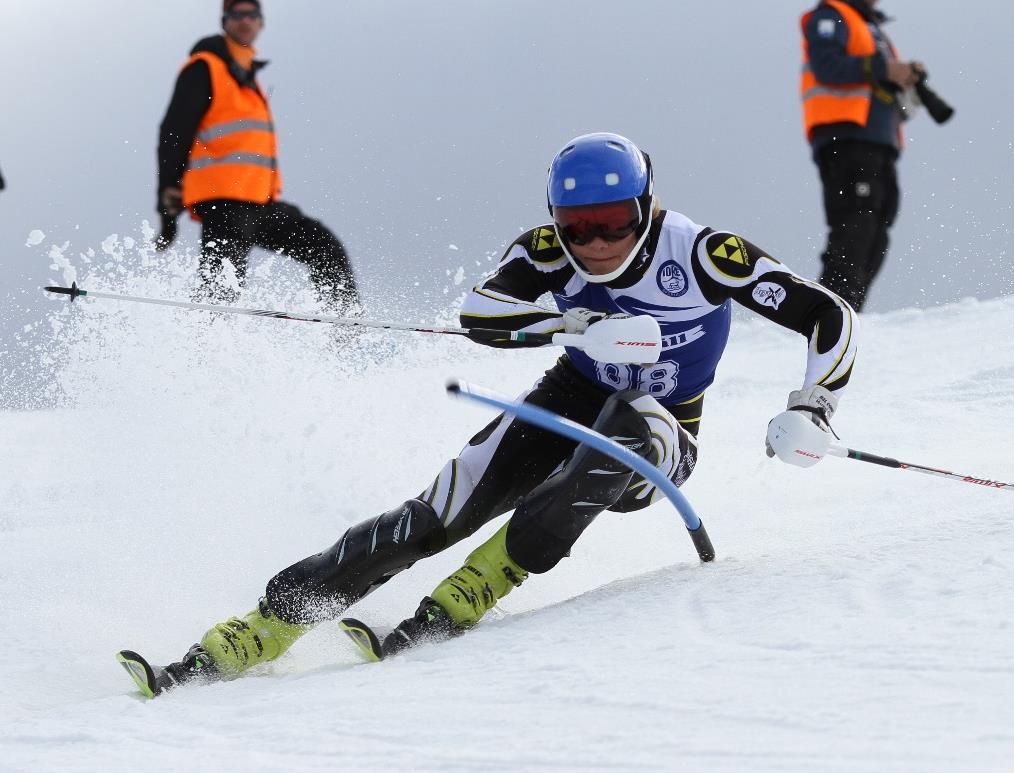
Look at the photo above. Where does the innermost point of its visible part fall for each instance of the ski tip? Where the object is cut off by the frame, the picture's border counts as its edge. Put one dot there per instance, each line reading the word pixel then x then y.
pixel 140 671
pixel 363 637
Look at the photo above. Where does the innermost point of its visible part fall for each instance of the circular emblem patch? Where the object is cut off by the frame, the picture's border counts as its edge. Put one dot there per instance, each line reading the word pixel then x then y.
pixel 672 279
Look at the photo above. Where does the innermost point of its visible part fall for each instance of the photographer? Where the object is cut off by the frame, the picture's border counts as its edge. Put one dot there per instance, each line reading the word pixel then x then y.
pixel 856 93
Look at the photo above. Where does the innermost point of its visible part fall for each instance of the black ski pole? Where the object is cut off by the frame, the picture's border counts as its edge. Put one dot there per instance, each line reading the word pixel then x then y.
pixel 884 461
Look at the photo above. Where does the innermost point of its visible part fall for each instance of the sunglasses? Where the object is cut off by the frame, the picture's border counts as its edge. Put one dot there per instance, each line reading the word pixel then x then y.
pixel 610 222
pixel 240 15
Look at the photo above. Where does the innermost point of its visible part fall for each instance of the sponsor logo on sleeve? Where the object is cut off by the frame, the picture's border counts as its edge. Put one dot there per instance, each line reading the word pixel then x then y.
pixel 733 249
pixel 672 279
pixel 544 239
pixel 769 294
pixel 730 255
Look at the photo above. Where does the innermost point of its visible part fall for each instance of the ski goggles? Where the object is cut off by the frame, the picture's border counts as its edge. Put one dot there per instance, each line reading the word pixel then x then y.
pixel 610 222
pixel 240 15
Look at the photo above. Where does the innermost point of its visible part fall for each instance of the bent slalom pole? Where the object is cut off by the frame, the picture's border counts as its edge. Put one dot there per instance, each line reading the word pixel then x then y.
pixel 548 420
pixel 627 340
pixel 884 461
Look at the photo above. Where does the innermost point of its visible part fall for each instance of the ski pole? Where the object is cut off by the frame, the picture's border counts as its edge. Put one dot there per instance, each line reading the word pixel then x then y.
pixel 884 461
pixel 633 339
pixel 540 417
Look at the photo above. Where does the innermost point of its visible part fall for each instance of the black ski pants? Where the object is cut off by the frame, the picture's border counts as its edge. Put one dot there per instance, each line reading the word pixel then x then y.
pixel 861 200
pixel 555 486
pixel 230 229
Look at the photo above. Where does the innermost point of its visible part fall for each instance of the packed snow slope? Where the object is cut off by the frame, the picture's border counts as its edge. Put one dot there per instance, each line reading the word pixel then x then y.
pixel 856 618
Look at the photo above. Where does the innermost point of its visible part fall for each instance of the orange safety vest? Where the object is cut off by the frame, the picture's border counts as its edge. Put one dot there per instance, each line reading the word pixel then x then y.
pixel 235 151
pixel 825 103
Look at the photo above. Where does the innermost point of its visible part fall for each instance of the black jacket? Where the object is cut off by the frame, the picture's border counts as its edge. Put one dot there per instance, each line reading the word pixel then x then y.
pixel 189 103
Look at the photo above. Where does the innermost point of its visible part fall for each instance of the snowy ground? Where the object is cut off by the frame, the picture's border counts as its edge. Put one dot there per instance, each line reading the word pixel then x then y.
pixel 857 618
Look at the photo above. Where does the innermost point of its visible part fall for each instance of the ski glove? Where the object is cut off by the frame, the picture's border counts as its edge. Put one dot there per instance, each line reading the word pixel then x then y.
pixel 578 320
pixel 801 435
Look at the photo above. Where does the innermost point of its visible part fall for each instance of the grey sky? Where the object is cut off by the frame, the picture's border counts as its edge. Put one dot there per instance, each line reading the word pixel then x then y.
pixel 409 127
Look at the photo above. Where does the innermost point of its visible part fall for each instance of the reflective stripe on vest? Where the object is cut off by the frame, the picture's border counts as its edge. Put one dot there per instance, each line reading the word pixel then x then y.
pixel 214 132
pixel 234 153
pixel 233 158
pixel 825 103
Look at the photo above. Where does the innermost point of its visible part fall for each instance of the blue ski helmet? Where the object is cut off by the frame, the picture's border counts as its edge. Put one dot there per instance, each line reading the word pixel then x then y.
pixel 596 169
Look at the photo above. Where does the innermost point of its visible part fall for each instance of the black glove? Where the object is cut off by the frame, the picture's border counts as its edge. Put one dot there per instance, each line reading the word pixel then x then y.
pixel 168 233
pixel 170 205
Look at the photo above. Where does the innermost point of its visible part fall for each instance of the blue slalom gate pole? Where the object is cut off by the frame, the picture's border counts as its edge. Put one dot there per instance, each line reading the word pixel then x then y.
pixel 550 421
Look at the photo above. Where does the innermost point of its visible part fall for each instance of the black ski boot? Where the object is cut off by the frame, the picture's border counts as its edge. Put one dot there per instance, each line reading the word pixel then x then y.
pixel 430 623
pixel 196 666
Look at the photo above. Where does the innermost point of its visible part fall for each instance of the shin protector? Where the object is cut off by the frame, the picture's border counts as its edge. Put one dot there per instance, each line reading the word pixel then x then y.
pixel 553 515
pixel 321 586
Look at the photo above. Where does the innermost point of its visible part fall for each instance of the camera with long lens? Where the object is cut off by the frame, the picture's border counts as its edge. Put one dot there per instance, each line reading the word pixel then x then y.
pixel 939 110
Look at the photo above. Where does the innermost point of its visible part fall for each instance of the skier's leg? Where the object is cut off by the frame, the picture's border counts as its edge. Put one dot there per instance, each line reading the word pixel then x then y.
pixel 287 230
pixel 323 585
pixel 545 524
pixel 490 475
pixel 550 519
pixel 673 451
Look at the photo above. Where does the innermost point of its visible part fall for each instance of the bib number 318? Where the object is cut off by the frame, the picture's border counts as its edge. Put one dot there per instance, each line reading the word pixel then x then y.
pixel 657 380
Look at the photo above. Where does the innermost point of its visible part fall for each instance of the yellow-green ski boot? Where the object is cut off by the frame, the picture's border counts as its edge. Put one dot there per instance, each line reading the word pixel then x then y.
pixel 460 601
pixel 243 642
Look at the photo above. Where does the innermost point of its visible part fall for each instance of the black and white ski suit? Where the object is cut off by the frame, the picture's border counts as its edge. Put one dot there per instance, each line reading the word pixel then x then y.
pixel 686 276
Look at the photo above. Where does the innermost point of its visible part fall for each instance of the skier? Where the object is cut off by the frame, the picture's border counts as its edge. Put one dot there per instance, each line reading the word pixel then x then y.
pixel 609 250
pixel 217 157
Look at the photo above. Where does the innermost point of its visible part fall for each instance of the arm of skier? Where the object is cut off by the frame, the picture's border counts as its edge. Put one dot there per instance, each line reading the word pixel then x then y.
pixel 727 266
pixel 506 299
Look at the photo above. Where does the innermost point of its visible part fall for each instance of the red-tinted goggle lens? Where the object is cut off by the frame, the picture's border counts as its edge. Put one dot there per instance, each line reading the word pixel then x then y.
pixel 611 222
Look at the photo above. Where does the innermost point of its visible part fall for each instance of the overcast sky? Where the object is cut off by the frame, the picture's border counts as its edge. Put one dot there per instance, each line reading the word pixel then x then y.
pixel 410 127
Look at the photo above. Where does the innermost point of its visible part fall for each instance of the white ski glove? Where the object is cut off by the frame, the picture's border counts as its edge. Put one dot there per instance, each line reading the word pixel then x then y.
pixel 801 435
pixel 577 320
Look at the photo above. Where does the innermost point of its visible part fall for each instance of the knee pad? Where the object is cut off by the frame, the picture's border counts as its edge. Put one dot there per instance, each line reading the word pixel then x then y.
pixel 553 515
pixel 370 553
pixel 673 452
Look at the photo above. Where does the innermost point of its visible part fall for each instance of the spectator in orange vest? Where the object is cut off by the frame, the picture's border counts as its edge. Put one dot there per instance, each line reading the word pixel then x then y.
pixel 217 157
pixel 856 93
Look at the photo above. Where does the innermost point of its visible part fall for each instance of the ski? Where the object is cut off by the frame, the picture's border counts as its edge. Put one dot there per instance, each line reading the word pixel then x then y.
pixel 152 681
pixel 365 638
pixel 145 676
